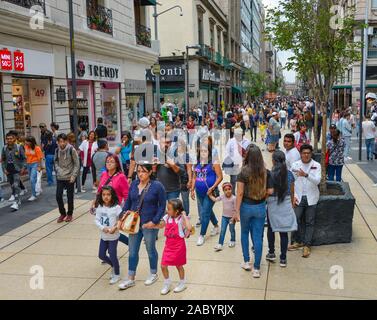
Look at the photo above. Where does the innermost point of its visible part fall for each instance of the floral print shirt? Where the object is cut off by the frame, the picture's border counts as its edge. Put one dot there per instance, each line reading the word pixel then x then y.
pixel 336 152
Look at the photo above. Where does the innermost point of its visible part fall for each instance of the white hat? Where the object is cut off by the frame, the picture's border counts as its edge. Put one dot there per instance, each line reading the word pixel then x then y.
pixel 144 122
pixel 274 113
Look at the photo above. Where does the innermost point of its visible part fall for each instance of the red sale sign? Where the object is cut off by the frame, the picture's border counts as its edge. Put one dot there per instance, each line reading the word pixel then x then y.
pixel 5 59
pixel 19 61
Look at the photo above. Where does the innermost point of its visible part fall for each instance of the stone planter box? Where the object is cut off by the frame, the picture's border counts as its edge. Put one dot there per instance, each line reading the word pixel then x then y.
pixel 334 216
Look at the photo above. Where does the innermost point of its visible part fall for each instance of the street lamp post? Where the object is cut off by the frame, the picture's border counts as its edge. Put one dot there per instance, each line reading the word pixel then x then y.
pixel 155 16
pixel 363 76
pixel 73 79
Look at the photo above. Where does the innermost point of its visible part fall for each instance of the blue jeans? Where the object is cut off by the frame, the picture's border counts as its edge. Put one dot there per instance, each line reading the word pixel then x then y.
pixel 370 148
pixel 205 205
pixel 347 141
pixel 112 259
pixel 225 221
pixel 252 221
pixel 172 195
pixel 332 170
pixel 32 170
pixel 50 168
pixel 134 242
pixel 186 201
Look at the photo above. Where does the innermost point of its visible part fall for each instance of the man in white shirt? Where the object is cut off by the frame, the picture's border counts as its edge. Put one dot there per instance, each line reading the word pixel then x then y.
pixel 307 173
pixel 369 132
pixel 347 134
pixel 291 153
pixel 283 118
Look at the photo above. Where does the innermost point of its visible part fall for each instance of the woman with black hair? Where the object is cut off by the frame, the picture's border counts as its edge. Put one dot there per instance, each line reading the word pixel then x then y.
pixel 280 214
pixel 207 176
pixel 34 158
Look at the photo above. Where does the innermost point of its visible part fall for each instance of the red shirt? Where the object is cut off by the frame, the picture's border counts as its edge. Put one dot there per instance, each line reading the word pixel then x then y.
pixel 89 157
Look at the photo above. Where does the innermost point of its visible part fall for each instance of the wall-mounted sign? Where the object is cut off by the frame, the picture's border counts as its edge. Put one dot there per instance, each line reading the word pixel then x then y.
pixel 97 71
pixel 210 75
pixel 25 61
pixel 19 61
pixel 60 95
pixel 169 72
pixel 135 86
pixel 6 60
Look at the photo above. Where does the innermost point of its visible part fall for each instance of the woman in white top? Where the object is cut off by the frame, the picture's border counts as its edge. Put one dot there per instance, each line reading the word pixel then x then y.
pixel 88 147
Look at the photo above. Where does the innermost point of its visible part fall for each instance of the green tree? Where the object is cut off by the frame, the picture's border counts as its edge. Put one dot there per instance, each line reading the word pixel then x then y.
pixel 323 47
pixel 255 84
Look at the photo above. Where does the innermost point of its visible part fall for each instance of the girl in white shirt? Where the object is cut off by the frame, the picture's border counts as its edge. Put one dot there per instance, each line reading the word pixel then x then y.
pixel 107 217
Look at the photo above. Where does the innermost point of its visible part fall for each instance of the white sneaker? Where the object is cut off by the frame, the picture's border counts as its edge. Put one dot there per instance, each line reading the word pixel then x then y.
pixel 151 280
pixel 256 273
pixel 14 206
pixel 23 192
pixel 246 266
pixel 200 241
pixel 12 198
pixel 32 198
pixel 181 287
pixel 38 194
pixel 83 190
pixel 76 191
pixel 165 289
pixel 65 192
pixel 126 284
pixel 218 247
pixel 114 279
pixel 215 231
pixel 231 244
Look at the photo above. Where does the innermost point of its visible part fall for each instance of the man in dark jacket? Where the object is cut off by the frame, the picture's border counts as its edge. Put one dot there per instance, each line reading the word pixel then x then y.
pixel 13 163
pixel 101 130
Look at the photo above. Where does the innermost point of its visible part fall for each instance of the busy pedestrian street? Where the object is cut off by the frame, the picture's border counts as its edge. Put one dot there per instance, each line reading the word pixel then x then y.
pixel 181 158
pixel 68 254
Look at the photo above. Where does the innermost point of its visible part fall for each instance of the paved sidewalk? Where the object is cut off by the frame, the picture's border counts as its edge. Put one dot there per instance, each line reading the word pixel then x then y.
pixel 68 255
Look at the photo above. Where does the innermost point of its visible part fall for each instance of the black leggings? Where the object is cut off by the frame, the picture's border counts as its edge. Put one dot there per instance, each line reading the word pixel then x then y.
pixel 283 242
pixel 253 130
pixel 85 172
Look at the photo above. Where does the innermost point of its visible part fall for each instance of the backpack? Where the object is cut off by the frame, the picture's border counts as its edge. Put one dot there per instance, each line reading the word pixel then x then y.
pixel 57 153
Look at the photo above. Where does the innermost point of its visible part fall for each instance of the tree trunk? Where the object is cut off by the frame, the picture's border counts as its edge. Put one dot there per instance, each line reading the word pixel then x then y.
pixel 323 186
pixel 316 101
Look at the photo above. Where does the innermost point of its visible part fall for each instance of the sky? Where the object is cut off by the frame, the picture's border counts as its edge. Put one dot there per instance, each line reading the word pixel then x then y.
pixel 283 56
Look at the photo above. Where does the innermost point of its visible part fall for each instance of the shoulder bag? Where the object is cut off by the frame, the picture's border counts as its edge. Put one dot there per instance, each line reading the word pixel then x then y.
pixel 130 222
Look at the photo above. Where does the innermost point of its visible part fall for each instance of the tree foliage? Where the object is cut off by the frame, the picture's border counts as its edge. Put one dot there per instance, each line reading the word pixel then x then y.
pixel 322 43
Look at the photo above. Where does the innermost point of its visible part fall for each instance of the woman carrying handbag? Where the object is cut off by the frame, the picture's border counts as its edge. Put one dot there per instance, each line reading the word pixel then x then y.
pixel 151 211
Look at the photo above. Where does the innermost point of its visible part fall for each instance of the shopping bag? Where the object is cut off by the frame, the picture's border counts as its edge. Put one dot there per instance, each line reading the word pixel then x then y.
pixel 38 187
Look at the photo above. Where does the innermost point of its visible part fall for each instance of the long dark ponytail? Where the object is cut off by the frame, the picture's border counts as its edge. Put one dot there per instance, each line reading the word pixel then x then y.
pixel 279 175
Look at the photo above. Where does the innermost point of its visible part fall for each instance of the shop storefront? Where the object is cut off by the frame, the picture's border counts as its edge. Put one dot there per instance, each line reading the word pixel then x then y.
pixel 342 96
pixel 26 77
pixel 98 95
pixel 172 82
pixel 135 102
pixel 209 85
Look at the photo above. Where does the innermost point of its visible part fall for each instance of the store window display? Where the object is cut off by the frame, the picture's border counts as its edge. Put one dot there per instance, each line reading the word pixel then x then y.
pixel 110 107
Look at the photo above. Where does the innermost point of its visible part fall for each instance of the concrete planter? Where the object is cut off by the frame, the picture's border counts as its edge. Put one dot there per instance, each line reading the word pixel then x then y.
pixel 334 216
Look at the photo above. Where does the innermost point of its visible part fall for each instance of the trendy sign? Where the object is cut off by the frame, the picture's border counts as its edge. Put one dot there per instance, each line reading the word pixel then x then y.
pixel 6 60
pixel 90 70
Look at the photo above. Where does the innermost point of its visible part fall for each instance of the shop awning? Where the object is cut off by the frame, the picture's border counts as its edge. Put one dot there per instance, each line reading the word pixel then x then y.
pixel 148 2
pixel 371 86
pixel 170 90
pixel 236 89
pixel 206 87
pixel 342 87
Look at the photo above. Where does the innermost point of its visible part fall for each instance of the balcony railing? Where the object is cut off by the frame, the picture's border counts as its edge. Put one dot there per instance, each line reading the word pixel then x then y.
pixel 29 3
pixel 99 18
pixel 227 63
pixel 143 35
pixel 206 52
pixel 219 58
pixel 372 53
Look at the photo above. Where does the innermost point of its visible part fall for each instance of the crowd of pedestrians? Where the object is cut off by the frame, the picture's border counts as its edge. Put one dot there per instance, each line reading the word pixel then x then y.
pixel 164 160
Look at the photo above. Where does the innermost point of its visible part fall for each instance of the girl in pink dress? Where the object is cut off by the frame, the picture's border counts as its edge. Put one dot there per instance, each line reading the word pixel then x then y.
pixel 177 228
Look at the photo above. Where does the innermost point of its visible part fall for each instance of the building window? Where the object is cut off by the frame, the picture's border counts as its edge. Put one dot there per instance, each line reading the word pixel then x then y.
pixel 219 47
pixel 200 30
pixel 212 32
pixel 374 4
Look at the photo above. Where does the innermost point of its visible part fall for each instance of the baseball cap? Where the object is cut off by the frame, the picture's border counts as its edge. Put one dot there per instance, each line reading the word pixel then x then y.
pixel 42 125
pixel 144 122
pixel 274 113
